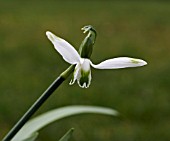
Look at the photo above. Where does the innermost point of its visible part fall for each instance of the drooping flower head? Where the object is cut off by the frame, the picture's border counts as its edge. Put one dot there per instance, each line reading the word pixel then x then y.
pixel 82 72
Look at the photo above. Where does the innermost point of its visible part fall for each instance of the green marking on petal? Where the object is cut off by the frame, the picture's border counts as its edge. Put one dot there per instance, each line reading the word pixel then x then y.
pixel 58 38
pixel 84 79
pixel 52 37
pixel 135 61
pixel 75 75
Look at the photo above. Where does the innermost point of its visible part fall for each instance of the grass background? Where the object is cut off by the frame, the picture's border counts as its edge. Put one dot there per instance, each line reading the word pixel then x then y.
pixel 29 63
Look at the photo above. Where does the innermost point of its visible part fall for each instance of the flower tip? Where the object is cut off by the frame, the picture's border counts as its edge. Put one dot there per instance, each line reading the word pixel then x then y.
pixel 84 30
pixel 138 62
pixel 49 35
pixel 144 63
pixel 84 85
pixel 71 82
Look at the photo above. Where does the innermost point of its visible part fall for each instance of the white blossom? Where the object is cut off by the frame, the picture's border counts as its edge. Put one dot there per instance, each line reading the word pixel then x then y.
pixel 82 72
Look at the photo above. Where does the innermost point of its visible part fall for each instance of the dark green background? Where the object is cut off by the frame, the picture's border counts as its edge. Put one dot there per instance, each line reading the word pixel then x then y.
pixel 29 63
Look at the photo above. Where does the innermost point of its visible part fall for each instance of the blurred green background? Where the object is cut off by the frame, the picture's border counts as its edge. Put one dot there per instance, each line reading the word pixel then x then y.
pixel 29 63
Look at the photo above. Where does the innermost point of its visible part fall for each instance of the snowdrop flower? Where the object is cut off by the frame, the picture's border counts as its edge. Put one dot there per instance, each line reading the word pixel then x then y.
pixel 82 72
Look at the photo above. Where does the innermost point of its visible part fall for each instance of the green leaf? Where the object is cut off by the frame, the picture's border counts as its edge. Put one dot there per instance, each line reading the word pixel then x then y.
pixel 67 136
pixel 41 121
pixel 32 137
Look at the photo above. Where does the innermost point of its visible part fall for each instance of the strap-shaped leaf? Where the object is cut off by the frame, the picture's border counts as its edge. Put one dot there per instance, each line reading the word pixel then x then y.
pixel 41 121
pixel 68 135
pixel 32 137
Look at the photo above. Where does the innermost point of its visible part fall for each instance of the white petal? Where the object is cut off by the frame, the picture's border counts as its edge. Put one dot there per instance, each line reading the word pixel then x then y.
pixel 67 51
pixel 120 62
pixel 82 74
pixel 76 74
pixel 85 64
pixel 84 79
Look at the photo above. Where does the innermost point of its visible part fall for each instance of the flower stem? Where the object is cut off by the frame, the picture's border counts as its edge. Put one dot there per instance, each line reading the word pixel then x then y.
pixel 38 103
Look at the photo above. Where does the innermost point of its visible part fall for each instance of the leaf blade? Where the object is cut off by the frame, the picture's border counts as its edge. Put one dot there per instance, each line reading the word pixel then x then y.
pixel 41 121
pixel 32 137
pixel 67 135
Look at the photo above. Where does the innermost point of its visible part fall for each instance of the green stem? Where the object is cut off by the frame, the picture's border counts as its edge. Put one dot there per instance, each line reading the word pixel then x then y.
pixel 38 103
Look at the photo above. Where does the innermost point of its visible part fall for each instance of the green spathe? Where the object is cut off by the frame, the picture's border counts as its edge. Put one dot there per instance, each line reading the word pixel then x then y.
pixel 86 47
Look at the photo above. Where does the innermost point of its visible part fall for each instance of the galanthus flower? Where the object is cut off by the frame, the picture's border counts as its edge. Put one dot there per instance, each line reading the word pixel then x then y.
pixel 82 72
